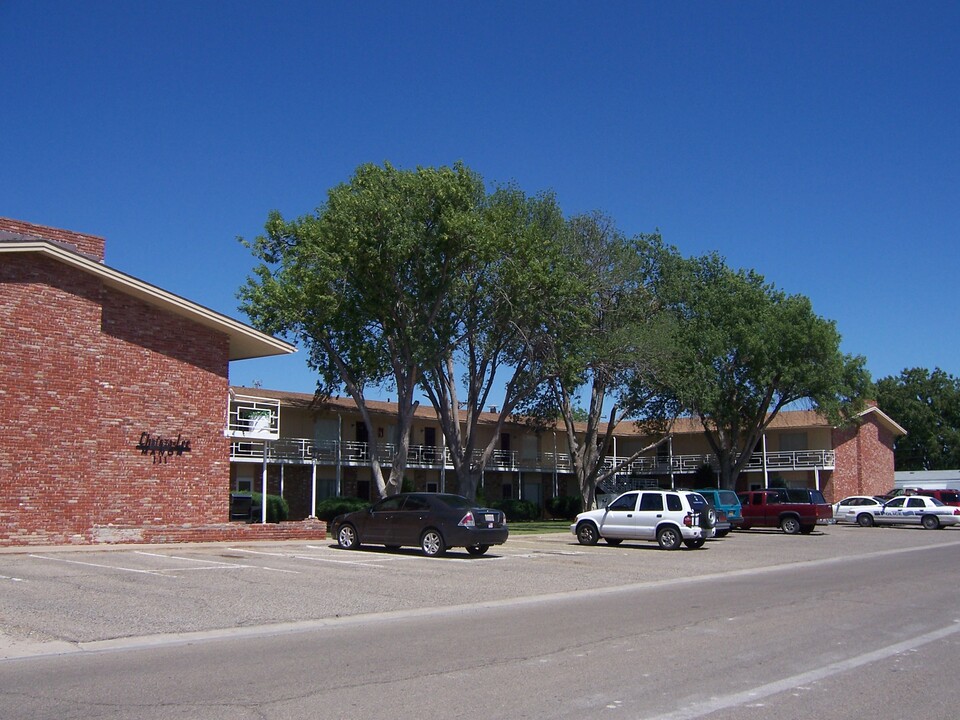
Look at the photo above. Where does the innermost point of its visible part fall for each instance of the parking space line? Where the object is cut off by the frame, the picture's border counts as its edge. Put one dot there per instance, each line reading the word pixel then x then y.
pixel 11 579
pixel 365 563
pixel 217 564
pixel 186 559
pixel 259 552
pixel 107 567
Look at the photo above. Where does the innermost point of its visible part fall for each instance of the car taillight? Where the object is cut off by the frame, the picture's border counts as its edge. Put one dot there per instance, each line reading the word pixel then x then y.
pixel 688 520
pixel 467 520
pixel 957 511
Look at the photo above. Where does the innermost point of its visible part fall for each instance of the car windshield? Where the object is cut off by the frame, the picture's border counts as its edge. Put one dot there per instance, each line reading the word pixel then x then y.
pixel 696 501
pixel 728 497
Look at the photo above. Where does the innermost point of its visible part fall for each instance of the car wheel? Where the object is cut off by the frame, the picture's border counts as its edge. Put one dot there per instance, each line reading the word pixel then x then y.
pixel 721 533
pixel 695 544
pixel 432 544
pixel 477 549
pixel 613 541
pixel 669 538
pixel 930 522
pixel 587 533
pixel 790 525
pixel 865 520
pixel 347 538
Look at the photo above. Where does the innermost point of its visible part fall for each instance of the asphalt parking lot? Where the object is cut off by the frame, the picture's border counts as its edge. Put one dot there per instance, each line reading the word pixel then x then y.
pixel 64 599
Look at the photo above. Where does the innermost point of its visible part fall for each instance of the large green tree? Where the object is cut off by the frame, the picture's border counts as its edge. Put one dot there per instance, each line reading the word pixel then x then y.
pixel 365 284
pixel 612 331
pixel 927 405
pixel 743 352
pixel 511 279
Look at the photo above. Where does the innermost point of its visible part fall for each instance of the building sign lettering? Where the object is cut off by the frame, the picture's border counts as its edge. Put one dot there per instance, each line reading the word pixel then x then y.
pixel 161 448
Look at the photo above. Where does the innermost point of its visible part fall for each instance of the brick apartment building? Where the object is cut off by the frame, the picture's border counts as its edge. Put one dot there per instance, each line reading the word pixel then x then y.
pixel 113 400
pixel 119 424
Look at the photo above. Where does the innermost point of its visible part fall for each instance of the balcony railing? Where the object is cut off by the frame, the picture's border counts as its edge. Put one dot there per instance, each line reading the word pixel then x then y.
pixel 306 451
pixel 253 418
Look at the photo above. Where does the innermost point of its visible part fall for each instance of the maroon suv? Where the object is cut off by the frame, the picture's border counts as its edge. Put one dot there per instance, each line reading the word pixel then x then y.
pixel 948 496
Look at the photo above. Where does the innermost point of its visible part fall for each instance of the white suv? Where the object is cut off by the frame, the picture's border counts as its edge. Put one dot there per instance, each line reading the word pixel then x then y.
pixel 670 517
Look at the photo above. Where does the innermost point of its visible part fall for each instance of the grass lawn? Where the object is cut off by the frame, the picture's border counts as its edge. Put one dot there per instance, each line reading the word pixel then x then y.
pixel 538 527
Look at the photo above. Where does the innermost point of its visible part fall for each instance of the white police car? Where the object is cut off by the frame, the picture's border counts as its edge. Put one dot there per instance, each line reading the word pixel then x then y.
pixel 910 510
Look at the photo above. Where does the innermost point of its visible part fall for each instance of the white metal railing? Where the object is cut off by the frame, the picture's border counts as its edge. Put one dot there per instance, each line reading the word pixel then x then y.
pixel 253 417
pixel 353 453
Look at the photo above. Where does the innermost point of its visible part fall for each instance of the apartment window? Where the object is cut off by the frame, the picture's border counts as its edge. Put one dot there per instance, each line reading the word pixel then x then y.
pixel 793 441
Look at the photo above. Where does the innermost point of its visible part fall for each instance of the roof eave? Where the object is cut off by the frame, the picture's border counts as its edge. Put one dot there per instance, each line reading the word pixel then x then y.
pixel 245 342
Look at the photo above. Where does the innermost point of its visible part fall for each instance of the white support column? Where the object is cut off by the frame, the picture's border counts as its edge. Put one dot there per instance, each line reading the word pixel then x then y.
pixel 339 453
pixel 263 485
pixel 556 479
pixel 763 457
pixel 443 462
pixel 670 459
pixel 313 489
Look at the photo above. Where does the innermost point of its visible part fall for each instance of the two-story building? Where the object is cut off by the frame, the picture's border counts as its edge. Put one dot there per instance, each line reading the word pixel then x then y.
pixel 322 449
pixel 118 423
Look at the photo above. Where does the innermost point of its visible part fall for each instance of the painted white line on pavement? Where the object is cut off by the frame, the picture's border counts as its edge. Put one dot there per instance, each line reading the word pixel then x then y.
pixel 108 567
pixel 186 559
pixel 702 709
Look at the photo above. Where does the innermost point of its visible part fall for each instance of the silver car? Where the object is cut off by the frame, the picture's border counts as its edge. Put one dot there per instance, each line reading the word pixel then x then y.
pixel 669 517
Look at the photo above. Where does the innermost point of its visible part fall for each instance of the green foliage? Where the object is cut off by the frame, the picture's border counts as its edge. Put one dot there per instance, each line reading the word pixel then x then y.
pixel 927 405
pixel 743 352
pixel 329 508
pixel 564 506
pixel 517 509
pixel 277 508
pixel 371 284
pixel 606 328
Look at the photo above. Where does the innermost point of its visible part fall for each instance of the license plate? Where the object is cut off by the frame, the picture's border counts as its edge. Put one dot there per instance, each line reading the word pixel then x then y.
pixel 489 517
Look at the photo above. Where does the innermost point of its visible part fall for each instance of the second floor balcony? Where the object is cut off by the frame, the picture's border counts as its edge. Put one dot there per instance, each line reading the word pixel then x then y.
pixel 304 451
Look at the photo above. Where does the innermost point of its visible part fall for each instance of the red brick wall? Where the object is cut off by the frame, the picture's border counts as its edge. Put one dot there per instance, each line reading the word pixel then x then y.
pixel 84 372
pixel 87 244
pixel 864 461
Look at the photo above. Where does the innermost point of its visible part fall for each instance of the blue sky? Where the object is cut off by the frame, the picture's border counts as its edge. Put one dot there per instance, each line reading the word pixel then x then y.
pixel 816 142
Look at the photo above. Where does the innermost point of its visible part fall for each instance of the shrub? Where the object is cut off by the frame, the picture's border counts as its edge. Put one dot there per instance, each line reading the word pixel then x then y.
pixel 277 508
pixel 517 509
pixel 329 508
pixel 564 506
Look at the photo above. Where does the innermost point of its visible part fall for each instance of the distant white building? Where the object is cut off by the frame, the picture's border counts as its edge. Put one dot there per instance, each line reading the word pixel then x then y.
pixel 927 479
